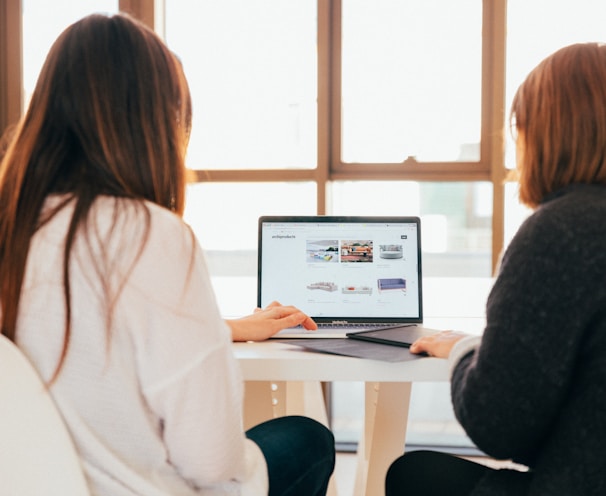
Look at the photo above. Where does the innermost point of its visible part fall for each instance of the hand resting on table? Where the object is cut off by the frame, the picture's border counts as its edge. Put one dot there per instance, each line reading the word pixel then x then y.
pixel 438 344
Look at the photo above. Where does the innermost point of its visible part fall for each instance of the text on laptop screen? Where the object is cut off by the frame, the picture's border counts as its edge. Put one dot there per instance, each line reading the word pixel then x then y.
pixel 359 269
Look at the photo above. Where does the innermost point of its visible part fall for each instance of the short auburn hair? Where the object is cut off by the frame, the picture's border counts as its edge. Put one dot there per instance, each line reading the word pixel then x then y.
pixel 559 112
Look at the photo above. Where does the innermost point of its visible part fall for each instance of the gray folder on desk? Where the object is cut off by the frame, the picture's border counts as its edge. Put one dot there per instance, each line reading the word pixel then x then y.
pixel 354 348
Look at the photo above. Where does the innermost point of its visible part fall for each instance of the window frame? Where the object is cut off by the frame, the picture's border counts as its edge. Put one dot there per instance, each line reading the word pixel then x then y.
pixel 490 167
pixel 10 63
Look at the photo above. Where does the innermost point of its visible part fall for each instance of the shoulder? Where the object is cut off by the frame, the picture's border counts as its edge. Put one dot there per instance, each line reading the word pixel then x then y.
pixel 576 209
pixel 569 222
pixel 142 243
pixel 559 247
pixel 133 223
pixel 169 235
pixel 153 259
pixel 128 211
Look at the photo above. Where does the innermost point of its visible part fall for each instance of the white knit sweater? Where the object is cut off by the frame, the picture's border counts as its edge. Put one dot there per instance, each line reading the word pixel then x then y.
pixel 155 407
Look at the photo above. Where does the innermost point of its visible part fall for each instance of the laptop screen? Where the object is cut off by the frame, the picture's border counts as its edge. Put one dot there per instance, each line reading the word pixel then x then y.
pixel 353 269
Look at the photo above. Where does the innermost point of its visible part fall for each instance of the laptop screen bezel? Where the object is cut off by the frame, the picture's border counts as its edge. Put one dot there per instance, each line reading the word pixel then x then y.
pixel 345 219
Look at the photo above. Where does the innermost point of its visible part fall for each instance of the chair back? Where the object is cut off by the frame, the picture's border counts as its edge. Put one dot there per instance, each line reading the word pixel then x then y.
pixel 37 454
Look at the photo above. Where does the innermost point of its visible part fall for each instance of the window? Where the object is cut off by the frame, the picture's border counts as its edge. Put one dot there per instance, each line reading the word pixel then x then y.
pixel 291 98
pixel 252 69
pixel 263 76
pixel 315 106
pixel 455 219
pixel 42 23
pixel 224 218
pixel 536 29
pixel 411 81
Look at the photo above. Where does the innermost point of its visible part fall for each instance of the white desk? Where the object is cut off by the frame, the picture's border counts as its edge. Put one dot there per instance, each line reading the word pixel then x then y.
pixel 283 379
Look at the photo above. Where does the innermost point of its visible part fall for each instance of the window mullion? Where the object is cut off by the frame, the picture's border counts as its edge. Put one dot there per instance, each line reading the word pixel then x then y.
pixel 493 104
pixel 11 77
pixel 326 97
pixel 140 9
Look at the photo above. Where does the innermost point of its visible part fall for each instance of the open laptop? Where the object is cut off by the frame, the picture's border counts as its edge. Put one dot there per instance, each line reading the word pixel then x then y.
pixel 348 273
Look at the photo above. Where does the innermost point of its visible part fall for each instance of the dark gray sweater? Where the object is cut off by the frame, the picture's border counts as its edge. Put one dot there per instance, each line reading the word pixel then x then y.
pixel 535 390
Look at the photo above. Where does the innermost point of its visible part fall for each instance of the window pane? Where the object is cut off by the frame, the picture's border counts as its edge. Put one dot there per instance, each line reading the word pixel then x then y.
pixel 252 69
pixel 455 219
pixel 456 239
pixel 411 80
pixel 531 37
pixel 224 217
pixel 43 21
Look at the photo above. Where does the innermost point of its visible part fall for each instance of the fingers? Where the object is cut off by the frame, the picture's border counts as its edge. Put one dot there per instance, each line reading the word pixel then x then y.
pixel 416 347
pixel 273 304
pixel 280 317
pixel 290 316
pixel 438 344
pixel 295 317
pixel 420 346
pixel 309 324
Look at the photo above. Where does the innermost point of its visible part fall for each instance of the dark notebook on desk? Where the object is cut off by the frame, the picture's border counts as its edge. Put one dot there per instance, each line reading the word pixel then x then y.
pixel 402 336
pixel 348 273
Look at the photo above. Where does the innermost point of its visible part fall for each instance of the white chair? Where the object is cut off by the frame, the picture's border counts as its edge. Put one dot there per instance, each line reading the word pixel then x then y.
pixel 37 455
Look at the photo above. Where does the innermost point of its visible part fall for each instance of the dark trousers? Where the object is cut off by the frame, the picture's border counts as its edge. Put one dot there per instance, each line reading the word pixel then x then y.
pixel 300 455
pixel 430 473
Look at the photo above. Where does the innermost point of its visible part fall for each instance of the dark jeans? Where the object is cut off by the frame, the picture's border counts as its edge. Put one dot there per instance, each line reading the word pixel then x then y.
pixel 430 473
pixel 300 455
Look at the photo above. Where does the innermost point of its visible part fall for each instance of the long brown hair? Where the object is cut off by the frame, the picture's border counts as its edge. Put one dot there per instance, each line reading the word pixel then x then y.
pixel 560 113
pixel 110 115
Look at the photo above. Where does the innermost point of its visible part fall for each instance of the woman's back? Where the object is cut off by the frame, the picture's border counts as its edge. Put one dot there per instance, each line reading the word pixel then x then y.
pixel 166 361
pixel 106 289
pixel 535 390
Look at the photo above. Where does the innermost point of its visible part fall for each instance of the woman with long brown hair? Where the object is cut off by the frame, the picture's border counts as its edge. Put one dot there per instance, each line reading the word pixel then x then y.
pixel 105 289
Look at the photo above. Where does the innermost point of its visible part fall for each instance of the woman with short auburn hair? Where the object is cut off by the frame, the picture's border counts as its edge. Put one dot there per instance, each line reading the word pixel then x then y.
pixel 105 288
pixel 559 116
pixel 531 388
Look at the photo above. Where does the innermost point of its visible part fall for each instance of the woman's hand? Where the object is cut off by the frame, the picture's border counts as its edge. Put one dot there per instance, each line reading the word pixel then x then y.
pixel 438 344
pixel 266 322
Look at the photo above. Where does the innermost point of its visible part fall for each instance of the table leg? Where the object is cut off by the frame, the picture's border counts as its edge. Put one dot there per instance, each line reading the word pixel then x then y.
pixel 384 436
pixel 258 403
pixel 264 400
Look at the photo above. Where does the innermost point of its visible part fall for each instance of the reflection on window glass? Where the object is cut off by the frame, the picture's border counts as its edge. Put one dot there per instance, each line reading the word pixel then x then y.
pixel 224 218
pixel 43 21
pixel 252 69
pixel 455 219
pixel 532 36
pixel 411 80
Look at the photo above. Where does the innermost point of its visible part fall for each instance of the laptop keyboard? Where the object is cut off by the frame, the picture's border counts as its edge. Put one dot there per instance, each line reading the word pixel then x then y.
pixel 353 326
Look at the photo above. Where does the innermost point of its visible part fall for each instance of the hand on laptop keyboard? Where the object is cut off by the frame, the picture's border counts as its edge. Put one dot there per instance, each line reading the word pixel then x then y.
pixel 265 322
